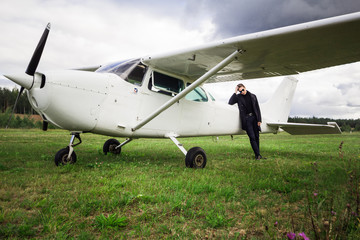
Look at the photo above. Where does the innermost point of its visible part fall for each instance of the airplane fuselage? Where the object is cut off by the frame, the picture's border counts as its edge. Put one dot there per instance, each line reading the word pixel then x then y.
pixel 104 103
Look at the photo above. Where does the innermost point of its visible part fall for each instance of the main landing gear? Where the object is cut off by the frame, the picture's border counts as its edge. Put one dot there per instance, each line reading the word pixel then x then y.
pixel 194 158
pixel 113 146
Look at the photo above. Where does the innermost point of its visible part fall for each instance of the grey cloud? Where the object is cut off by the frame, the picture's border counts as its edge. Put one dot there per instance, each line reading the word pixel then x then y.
pixel 353 105
pixel 345 88
pixel 5 83
pixel 236 17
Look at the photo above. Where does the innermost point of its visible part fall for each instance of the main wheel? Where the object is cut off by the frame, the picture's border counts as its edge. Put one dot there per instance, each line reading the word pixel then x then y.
pixel 195 158
pixel 61 157
pixel 110 146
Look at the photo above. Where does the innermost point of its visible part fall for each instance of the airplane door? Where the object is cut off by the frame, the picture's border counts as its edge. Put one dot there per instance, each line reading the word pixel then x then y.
pixel 156 91
pixel 197 114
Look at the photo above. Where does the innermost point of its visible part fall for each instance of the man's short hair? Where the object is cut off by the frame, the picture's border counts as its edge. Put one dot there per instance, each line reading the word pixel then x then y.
pixel 241 85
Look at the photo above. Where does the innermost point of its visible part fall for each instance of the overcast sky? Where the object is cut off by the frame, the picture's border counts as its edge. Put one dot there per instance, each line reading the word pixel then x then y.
pixel 88 33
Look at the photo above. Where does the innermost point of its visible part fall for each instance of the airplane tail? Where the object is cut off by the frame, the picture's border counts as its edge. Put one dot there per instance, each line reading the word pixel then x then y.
pixel 277 109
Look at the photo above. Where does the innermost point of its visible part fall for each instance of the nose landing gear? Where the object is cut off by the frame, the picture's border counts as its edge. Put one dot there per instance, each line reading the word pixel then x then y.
pixel 67 155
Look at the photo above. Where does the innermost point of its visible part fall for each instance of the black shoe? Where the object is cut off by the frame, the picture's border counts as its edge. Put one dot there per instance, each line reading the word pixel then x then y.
pixel 260 157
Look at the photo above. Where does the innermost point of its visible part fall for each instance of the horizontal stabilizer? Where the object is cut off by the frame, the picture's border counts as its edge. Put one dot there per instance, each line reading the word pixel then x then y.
pixel 305 129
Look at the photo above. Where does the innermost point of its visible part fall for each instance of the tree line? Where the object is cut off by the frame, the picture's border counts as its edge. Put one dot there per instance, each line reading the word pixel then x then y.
pixel 8 97
pixel 23 110
pixel 346 125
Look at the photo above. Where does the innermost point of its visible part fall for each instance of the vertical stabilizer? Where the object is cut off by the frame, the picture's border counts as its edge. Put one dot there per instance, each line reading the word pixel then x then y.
pixel 277 109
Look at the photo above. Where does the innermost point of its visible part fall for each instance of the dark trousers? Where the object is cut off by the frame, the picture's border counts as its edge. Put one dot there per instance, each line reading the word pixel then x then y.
pixel 252 131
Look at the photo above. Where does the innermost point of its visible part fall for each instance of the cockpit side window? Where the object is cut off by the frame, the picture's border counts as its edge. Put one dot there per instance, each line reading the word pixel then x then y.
pixel 212 97
pixel 197 95
pixel 165 84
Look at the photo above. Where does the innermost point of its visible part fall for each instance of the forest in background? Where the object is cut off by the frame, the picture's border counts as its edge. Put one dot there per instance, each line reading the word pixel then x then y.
pixel 346 125
pixel 7 100
pixel 24 120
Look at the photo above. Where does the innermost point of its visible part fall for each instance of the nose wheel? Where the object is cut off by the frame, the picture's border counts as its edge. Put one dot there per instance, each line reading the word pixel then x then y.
pixel 67 155
pixel 62 157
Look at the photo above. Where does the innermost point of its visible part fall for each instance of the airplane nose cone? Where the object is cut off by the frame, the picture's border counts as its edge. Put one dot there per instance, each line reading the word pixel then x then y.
pixel 22 79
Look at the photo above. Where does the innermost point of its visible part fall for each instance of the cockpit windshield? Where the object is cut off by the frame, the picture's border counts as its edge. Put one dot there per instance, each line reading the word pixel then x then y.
pixel 121 69
pixel 130 70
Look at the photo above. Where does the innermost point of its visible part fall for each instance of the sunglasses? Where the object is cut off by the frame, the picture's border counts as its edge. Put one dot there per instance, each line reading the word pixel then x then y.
pixel 242 90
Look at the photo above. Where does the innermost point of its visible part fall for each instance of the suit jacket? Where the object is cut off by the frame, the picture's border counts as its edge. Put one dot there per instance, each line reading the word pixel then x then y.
pixel 239 99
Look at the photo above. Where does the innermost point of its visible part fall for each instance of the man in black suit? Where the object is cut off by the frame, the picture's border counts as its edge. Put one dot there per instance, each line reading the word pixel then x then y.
pixel 250 115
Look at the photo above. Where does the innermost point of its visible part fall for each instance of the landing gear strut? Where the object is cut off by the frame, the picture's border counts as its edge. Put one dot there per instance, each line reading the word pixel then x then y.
pixel 194 158
pixel 67 155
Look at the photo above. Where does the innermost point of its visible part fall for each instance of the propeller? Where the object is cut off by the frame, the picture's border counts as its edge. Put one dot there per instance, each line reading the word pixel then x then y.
pixel 35 59
pixel 25 81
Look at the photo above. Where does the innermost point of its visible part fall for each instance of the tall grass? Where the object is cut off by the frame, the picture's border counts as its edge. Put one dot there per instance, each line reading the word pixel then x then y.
pixel 306 185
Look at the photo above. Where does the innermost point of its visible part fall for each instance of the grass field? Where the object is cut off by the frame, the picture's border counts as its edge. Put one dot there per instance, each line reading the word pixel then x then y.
pixel 307 184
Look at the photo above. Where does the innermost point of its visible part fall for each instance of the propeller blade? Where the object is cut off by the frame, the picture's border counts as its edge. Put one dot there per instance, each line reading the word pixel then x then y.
pixel 35 59
pixel 13 111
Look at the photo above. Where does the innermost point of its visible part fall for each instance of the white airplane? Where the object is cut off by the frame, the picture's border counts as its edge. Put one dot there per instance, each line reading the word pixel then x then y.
pixel 161 96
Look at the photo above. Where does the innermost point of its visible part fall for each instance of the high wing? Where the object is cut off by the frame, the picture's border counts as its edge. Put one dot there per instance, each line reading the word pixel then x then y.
pixel 283 51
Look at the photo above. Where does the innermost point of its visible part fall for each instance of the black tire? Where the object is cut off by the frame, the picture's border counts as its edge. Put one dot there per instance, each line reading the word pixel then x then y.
pixel 110 146
pixel 61 157
pixel 195 158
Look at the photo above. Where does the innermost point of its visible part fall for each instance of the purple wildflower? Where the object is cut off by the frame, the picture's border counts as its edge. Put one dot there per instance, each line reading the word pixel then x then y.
pixel 291 235
pixel 333 213
pixel 303 236
pixel 315 194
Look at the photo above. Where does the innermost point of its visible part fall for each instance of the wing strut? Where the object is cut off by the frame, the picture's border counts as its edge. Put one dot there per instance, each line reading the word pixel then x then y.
pixel 183 93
